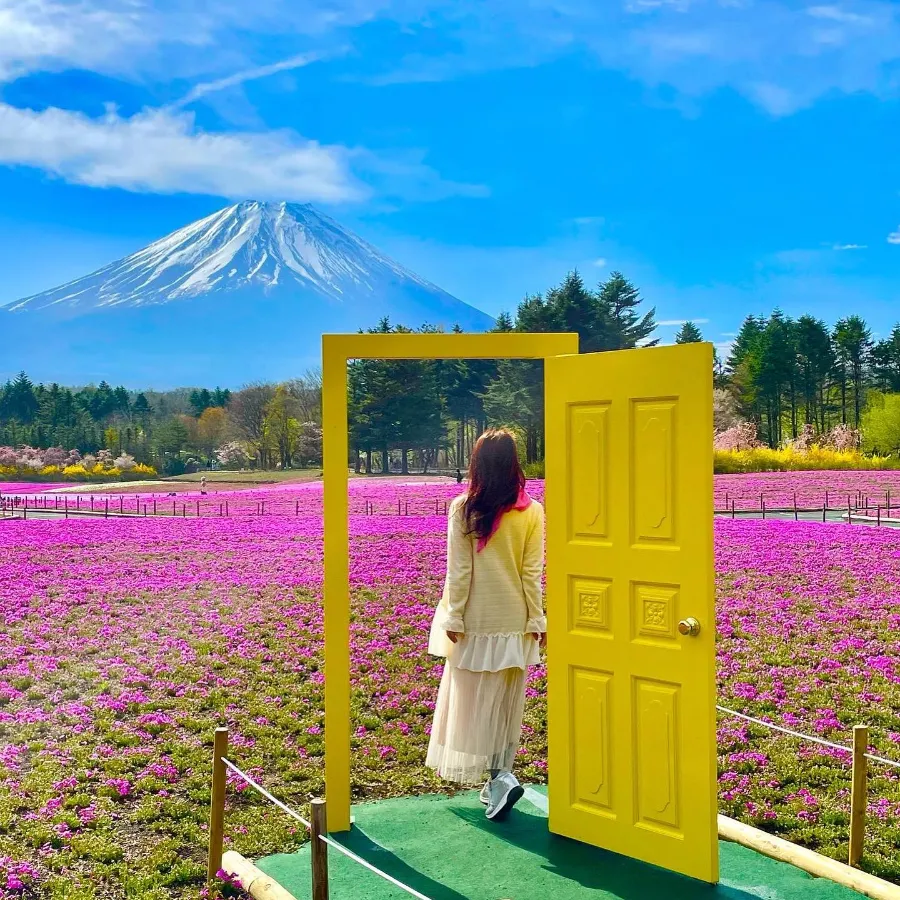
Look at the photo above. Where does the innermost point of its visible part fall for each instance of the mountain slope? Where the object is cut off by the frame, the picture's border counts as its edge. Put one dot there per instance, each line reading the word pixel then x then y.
pixel 262 278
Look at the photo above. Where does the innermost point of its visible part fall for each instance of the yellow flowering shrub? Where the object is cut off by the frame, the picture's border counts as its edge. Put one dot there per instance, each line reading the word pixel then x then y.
pixel 789 459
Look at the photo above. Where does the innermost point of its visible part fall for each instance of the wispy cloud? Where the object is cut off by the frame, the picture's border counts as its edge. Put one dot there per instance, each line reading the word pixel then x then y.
pixel 894 237
pixel 588 220
pixel 837 14
pixel 850 247
pixel 164 151
pixel 677 323
pixel 220 84
pixel 600 261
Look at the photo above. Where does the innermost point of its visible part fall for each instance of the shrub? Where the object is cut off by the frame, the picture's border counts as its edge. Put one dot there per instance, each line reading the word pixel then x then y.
pixel 789 459
pixel 739 437
pixel 55 464
pixel 534 470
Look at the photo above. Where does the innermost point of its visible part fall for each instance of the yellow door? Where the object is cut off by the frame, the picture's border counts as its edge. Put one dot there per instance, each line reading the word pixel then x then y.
pixel 631 643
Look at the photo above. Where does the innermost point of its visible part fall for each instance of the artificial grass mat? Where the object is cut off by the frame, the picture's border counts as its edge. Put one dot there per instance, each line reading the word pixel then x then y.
pixel 444 848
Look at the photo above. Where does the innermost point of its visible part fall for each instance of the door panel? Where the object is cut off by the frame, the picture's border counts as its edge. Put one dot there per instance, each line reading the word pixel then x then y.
pixel 631 705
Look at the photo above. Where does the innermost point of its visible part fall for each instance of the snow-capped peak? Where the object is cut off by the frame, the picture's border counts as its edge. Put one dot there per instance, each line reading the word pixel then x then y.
pixel 249 244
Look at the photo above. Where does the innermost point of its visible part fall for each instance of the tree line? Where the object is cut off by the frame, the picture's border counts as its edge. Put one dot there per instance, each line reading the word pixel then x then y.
pixel 435 409
pixel 264 424
pixel 785 373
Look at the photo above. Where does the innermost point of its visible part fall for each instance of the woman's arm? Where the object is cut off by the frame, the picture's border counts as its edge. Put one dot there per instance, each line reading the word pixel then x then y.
pixel 532 570
pixel 459 572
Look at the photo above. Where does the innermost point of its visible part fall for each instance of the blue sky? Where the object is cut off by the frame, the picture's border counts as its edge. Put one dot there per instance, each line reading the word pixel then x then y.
pixel 729 156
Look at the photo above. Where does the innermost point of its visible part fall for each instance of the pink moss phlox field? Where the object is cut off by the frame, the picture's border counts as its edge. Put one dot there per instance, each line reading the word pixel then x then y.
pixel 128 640
pixel 778 489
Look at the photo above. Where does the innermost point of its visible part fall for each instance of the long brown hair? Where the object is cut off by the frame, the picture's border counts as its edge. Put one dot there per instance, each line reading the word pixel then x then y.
pixel 495 480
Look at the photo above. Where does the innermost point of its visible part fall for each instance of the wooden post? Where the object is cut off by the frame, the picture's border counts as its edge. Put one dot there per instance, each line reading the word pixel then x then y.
pixel 217 804
pixel 318 851
pixel 859 793
pixel 763 506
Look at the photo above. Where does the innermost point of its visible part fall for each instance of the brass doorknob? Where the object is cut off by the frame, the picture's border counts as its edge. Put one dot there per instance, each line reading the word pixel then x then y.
pixel 689 626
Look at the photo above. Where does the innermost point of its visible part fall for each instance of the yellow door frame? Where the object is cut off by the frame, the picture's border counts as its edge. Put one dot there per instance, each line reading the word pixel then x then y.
pixel 337 349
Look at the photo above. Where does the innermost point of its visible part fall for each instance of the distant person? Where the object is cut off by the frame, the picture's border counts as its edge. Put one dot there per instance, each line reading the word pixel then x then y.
pixel 458 476
pixel 203 484
pixel 489 624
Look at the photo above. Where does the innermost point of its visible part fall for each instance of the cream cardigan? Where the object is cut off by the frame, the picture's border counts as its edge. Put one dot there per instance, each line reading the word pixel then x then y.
pixel 492 596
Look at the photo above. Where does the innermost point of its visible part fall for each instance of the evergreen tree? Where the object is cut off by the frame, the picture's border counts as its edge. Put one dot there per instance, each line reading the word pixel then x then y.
pixel 853 344
pixel 19 400
pixel 689 333
pixel 620 325
pixel 885 358
pixel 815 363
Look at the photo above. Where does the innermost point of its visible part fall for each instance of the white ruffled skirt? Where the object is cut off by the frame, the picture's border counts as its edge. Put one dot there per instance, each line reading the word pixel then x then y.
pixel 481 700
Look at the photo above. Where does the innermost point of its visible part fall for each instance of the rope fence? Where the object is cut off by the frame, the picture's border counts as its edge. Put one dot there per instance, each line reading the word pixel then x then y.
pixel 860 756
pixel 859 507
pixel 125 506
pixel 316 825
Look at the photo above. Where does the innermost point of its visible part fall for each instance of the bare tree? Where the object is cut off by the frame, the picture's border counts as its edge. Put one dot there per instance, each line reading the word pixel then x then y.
pixel 247 415
pixel 307 392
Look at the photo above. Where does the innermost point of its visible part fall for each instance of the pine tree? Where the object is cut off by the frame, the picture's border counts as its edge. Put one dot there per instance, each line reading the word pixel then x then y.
pixel 885 359
pixel 19 400
pixel 620 326
pixel 853 343
pixel 689 333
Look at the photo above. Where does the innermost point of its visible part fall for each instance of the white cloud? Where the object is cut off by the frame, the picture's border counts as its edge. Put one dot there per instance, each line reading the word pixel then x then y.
pixel 836 14
pixel 600 261
pixel 245 75
pixel 894 237
pixel 164 151
pixel 677 323
pixel 100 35
pixel 850 247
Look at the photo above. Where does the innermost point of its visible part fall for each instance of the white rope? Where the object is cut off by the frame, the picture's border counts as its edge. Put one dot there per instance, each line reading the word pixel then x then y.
pixel 349 853
pixel 881 759
pixel 807 737
pixel 265 793
pixel 322 837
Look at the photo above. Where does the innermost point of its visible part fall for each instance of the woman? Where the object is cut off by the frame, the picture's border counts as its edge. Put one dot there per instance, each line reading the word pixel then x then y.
pixel 489 624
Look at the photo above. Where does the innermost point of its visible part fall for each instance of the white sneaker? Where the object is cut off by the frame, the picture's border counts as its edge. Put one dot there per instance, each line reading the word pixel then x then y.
pixel 505 793
pixel 485 795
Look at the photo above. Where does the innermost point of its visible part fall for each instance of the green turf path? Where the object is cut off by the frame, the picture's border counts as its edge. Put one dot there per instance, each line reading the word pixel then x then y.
pixel 446 849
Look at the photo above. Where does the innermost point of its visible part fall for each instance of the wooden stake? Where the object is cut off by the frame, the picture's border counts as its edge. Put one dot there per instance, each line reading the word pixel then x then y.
pixel 859 793
pixel 318 851
pixel 217 804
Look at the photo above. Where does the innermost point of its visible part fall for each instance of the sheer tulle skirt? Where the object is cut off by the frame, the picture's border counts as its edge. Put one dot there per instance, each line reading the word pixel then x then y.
pixel 477 722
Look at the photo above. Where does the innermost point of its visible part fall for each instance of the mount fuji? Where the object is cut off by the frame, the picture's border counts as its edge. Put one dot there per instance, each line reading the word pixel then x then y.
pixel 241 295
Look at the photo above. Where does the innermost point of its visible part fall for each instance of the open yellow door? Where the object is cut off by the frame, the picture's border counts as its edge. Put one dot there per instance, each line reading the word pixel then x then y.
pixel 631 644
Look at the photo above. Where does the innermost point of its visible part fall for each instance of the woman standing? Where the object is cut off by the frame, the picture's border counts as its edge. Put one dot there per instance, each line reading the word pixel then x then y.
pixel 489 624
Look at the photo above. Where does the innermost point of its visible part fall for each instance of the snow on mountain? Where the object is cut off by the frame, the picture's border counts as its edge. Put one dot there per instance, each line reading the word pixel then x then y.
pixel 243 294
pixel 248 244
